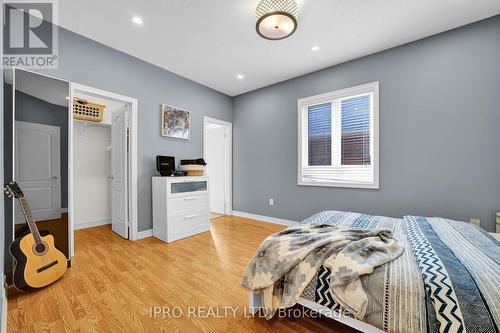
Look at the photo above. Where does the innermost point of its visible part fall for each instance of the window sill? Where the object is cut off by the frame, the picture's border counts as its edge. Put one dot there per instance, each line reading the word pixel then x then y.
pixel 370 186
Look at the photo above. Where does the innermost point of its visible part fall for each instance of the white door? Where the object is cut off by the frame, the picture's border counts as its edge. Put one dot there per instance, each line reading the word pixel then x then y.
pixel 38 169
pixel 119 199
pixel 215 154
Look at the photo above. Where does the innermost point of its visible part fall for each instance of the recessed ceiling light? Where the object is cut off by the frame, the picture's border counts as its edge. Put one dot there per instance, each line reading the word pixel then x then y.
pixel 315 48
pixel 240 76
pixel 137 20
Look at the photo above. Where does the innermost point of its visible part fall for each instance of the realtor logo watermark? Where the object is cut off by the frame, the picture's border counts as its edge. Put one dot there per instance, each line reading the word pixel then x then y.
pixel 30 34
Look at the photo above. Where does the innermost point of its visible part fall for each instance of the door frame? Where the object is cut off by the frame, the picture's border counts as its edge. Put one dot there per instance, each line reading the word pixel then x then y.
pixel 132 160
pixel 228 193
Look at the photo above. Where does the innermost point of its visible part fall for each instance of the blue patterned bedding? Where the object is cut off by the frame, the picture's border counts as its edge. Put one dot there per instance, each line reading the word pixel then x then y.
pixel 447 280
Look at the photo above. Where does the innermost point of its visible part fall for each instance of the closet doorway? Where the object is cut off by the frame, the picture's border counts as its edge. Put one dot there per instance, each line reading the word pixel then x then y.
pixel 217 152
pixel 104 160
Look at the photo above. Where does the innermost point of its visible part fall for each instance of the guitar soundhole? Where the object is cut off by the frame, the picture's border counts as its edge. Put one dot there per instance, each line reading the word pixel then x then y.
pixel 40 249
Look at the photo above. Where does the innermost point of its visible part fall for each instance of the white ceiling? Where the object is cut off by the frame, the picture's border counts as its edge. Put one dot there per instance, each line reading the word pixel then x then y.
pixel 211 42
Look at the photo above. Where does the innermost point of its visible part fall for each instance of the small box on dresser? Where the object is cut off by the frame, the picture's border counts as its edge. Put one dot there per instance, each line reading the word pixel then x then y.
pixel 180 207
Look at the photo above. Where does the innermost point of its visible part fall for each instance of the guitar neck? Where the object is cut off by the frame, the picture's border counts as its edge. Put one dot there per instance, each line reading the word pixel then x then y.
pixel 29 220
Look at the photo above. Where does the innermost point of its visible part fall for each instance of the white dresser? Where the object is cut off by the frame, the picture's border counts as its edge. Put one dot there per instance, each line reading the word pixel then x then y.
pixel 180 207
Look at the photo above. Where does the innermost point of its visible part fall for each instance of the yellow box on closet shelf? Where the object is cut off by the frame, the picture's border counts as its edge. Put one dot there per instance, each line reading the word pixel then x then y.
pixel 85 110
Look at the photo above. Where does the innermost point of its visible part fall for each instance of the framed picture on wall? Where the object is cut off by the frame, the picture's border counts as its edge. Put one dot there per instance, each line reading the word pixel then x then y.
pixel 175 123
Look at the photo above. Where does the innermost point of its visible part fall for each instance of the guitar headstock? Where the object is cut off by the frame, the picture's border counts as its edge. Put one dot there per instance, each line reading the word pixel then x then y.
pixel 13 190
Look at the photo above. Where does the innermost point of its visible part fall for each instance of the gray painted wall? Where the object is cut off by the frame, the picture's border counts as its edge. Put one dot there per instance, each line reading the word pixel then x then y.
pixel 439 133
pixel 87 62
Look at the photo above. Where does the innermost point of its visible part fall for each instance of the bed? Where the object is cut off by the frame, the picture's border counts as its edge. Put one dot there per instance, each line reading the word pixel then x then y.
pixel 446 280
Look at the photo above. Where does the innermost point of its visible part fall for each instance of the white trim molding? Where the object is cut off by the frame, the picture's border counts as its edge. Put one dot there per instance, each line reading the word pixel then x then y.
pixel 263 218
pixel 92 224
pixel 144 234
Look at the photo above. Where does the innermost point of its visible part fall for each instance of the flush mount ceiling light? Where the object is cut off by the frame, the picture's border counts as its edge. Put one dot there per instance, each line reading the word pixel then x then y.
pixel 276 19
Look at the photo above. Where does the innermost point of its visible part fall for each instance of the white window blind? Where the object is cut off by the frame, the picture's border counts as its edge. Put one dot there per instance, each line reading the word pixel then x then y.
pixel 355 117
pixel 319 122
pixel 338 138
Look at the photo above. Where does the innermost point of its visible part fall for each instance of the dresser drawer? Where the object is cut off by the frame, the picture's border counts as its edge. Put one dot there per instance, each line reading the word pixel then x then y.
pixel 187 187
pixel 188 225
pixel 180 207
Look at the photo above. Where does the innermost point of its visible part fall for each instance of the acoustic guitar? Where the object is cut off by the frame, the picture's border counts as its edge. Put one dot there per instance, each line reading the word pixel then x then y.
pixel 37 262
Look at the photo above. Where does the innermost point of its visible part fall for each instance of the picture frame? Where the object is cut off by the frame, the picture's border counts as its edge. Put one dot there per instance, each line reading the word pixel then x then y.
pixel 175 123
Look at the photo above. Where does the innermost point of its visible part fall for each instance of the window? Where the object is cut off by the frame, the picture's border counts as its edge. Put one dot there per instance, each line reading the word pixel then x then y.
pixel 338 138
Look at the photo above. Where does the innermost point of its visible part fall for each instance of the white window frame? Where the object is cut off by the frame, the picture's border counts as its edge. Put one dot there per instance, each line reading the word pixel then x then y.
pixel 333 97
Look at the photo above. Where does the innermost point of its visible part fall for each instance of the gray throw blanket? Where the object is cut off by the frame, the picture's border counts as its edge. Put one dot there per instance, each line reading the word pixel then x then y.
pixel 285 263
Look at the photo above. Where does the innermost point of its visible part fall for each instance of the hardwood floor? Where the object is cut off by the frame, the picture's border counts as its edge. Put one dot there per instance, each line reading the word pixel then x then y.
pixel 214 216
pixel 114 283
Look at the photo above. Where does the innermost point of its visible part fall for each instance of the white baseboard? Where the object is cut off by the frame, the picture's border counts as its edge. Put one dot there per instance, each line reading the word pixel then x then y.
pixel 92 224
pixel 145 234
pixel 263 218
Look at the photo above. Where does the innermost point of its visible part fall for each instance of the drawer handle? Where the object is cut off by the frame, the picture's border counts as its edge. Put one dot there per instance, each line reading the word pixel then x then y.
pixel 190 217
pixel 189 199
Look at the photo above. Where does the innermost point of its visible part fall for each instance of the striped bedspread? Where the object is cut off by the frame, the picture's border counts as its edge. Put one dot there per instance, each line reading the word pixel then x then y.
pixel 447 280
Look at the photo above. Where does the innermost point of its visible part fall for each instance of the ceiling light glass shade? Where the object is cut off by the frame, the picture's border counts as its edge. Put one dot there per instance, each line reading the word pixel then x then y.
pixel 276 19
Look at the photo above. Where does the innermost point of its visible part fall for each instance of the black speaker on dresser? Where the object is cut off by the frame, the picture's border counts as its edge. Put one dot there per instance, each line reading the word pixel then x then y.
pixel 165 165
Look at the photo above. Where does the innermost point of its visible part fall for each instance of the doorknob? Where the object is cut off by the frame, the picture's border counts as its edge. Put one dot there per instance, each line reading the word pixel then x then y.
pixel 55 177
